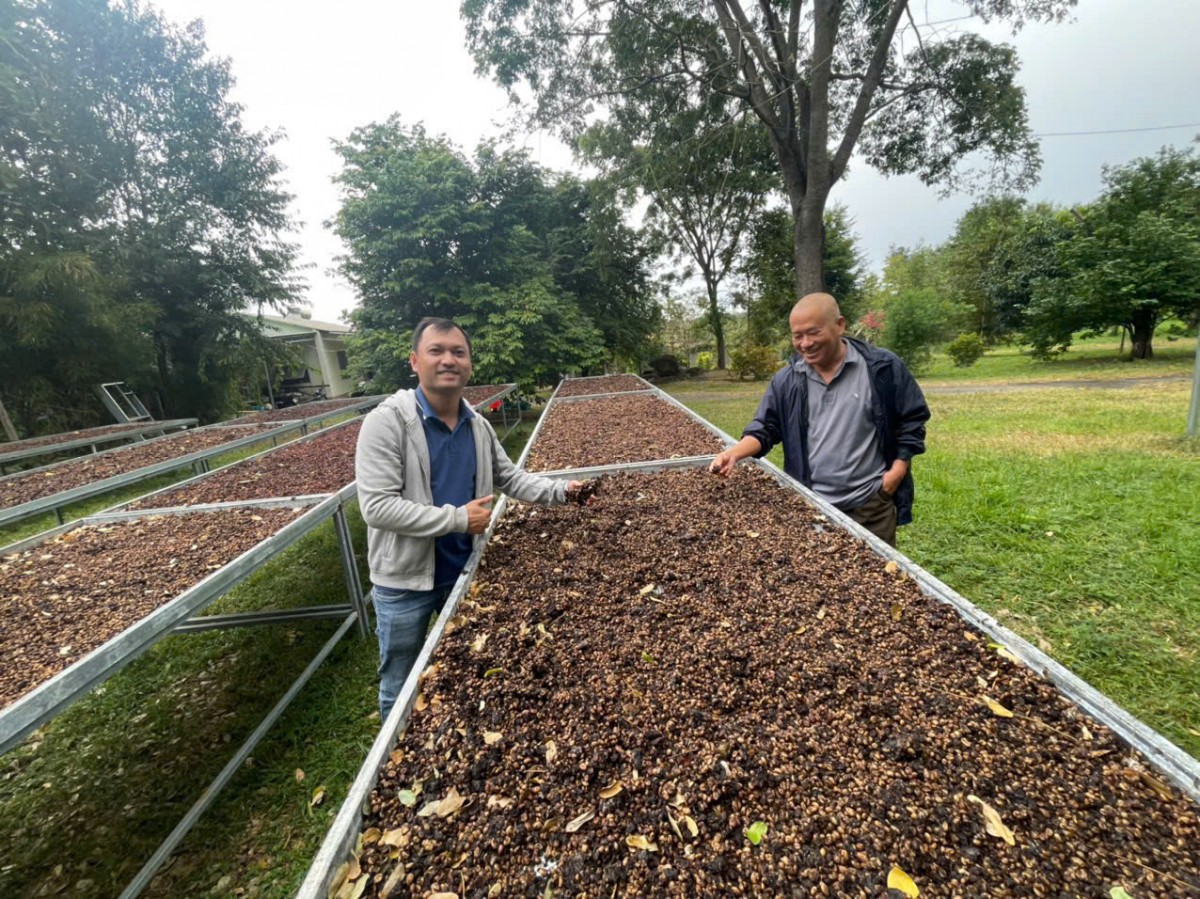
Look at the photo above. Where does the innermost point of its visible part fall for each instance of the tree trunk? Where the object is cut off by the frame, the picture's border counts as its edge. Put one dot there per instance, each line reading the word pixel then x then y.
pixel 10 432
pixel 808 222
pixel 1140 345
pixel 714 320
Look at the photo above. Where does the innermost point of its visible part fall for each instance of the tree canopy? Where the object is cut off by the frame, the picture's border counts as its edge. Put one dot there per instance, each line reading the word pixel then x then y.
pixel 538 268
pixel 138 216
pixel 824 79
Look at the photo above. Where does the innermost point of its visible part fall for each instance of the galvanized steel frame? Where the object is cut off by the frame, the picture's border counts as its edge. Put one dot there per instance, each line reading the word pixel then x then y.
pixel 52 696
pixel 366 404
pixel 56 501
pixel 134 434
pixel 1172 762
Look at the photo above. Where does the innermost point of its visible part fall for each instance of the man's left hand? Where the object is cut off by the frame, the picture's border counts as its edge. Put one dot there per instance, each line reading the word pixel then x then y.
pixel 893 477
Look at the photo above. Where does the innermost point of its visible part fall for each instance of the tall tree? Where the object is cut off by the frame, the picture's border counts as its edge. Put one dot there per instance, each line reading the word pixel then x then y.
pixel 770 268
pixel 825 79
pixel 1138 257
pixel 703 174
pixel 139 216
pixel 966 256
pixel 520 258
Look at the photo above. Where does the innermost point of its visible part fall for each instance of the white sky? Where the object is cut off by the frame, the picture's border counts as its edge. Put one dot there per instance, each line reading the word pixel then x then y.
pixel 317 71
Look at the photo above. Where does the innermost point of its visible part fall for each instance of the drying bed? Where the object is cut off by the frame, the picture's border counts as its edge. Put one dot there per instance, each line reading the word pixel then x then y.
pixel 44 482
pixel 323 463
pixel 616 429
pixel 601 384
pixel 305 411
pixel 62 598
pixel 632 690
pixel 478 395
pixel 70 437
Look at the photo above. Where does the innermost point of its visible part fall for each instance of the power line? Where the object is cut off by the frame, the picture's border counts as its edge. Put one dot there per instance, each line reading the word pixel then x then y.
pixel 1119 130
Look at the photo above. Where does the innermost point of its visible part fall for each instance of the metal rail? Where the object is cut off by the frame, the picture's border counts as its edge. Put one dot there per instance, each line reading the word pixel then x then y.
pixel 201 458
pixel 1172 762
pixel 156 861
pixel 52 696
pixel 133 433
pixel 505 390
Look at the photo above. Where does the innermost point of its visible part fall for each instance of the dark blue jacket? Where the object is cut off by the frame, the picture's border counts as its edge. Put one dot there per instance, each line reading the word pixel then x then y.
pixel 899 411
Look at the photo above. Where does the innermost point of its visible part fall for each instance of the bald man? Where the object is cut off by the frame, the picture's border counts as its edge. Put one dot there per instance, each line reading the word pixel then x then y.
pixel 849 415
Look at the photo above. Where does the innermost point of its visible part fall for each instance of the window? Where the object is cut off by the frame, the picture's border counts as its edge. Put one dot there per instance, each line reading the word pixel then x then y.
pixel 343 361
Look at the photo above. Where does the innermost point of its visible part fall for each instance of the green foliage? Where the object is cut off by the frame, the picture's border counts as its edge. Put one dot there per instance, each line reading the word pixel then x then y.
pixel 932 106
pixel 965 257
pixel 770 266
pixel 1128 260
pixel 140 216
pixel 756 361
pixel 540 270
pixel 703 178
pixel 755 832
pixel 706 361
pixel 965 349
pixel 917 321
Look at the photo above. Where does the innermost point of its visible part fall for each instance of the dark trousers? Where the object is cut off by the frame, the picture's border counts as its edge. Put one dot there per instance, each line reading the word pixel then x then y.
pixel 878 515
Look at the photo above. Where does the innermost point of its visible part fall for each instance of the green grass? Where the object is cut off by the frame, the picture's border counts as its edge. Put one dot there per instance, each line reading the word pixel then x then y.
pixel 1093 359
pixel 1071 514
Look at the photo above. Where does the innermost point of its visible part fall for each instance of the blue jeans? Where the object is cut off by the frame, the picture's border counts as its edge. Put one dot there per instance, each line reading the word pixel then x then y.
pixel 401 624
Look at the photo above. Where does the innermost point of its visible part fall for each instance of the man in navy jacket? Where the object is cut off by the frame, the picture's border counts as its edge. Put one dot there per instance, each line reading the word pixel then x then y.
pixel 850 417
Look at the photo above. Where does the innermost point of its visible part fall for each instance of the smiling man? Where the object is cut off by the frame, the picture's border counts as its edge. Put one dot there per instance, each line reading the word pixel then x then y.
pixel 427 467
pixel 850 417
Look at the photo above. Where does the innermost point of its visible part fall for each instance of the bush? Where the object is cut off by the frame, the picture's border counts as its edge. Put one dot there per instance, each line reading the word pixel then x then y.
pixel 706 361
pixel 965 349
pixel 757 361
pixel 666 366
pixel 918 320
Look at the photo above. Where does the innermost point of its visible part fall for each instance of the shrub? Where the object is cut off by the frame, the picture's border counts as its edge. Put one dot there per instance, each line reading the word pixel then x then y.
pixel 965 349
pixel 918 320
pixel 706 361
pixel 666 366
pixel 756 361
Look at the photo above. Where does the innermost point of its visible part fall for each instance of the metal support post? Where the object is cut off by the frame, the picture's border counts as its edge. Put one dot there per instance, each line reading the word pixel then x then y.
pixel 1194 410
pixel 350 569
pixel 144 876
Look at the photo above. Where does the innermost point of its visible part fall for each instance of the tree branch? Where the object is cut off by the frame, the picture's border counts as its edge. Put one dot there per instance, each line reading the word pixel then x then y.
pixel 874 75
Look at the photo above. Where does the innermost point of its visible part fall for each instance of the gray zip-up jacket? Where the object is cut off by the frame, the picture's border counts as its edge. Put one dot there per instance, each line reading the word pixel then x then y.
pixel 396 500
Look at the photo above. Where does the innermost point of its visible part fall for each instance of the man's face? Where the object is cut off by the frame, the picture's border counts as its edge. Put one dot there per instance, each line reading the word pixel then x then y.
pixel 442 361
pixel 817 336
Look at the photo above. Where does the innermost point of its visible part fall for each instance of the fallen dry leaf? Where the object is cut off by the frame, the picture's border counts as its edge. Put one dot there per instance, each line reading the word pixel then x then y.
pixel 612 790
pixel 899 880
pixel 551 752
pixel 578 822
pixel 491 737
pixel 637 841
pixel 993 823
pixel 998 710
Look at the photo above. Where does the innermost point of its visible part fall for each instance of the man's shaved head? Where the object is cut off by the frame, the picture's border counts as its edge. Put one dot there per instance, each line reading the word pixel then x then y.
pixel 822 305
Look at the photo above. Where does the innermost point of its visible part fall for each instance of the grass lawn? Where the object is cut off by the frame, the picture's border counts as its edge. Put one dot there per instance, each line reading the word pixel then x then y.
pixel 1072 514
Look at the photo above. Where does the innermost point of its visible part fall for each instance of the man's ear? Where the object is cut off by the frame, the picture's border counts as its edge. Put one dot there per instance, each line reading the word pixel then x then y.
pixel 412 361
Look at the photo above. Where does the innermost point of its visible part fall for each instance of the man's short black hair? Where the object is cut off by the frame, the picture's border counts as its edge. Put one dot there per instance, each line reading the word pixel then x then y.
pixel 441 326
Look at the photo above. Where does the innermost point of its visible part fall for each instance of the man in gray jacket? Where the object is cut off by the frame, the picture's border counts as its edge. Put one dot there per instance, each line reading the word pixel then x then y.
pixel 427 467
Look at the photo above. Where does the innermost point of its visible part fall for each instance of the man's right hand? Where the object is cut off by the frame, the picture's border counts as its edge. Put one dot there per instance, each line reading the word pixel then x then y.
pixel 723 463
pixel 479 513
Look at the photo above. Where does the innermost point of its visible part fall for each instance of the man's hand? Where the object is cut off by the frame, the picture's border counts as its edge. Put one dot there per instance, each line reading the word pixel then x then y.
pixel 723 464
pixel 479 513
pixel 894 476
pixel 581 492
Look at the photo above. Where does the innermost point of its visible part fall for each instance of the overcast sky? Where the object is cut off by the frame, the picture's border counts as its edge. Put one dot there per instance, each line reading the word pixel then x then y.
pixel 317 71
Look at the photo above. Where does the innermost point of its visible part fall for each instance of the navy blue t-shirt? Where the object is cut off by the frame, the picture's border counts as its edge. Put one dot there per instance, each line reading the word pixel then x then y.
pixel 452 479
